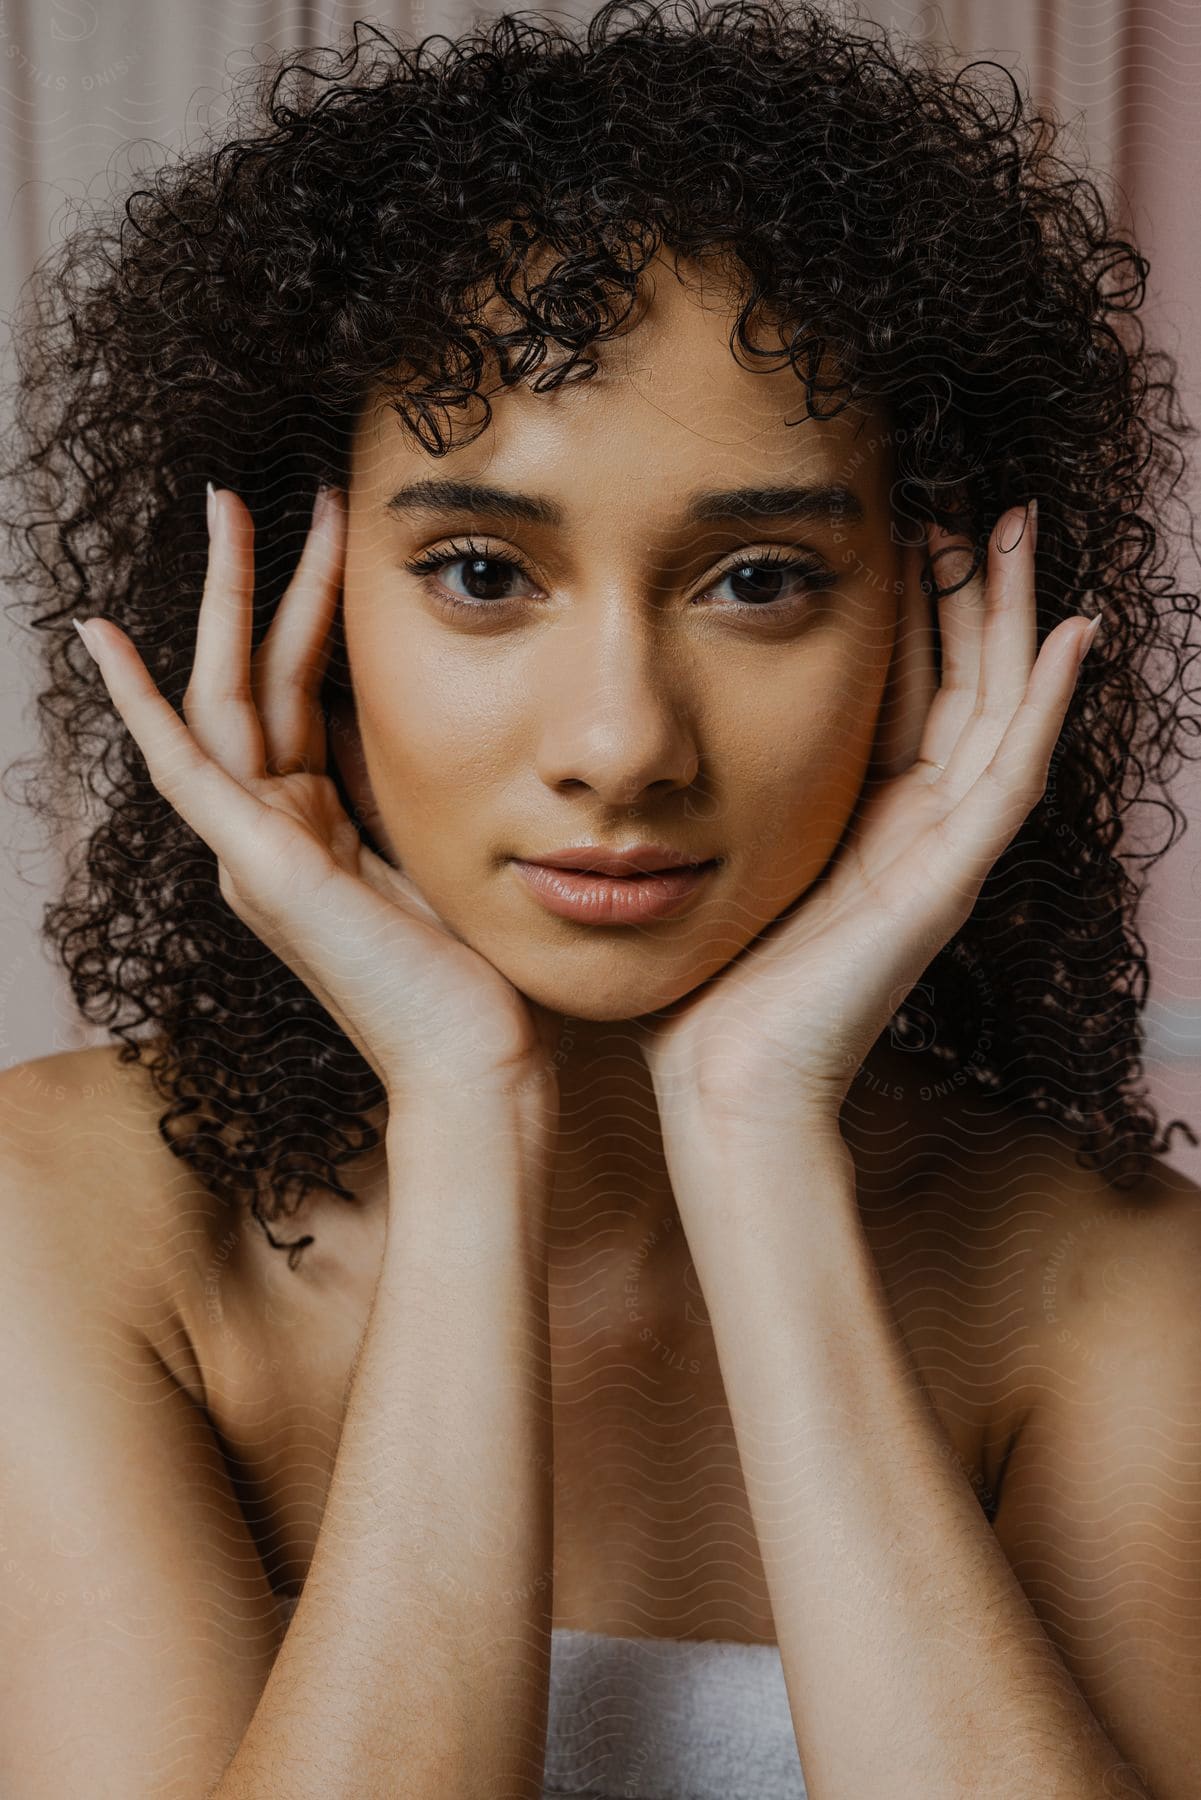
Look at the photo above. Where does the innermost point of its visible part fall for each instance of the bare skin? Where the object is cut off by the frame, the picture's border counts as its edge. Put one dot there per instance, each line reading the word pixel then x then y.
pixel 653 1535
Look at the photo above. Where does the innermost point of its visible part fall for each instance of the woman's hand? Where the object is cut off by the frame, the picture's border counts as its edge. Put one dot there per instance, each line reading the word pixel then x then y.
pixel 247 772
pixel 787 1024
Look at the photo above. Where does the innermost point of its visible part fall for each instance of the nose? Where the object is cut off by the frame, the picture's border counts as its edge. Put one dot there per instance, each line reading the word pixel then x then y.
pixel 615 718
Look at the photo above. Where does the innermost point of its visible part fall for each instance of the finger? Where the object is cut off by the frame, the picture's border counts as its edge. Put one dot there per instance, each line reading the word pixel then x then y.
pixel 1011 619
pixel 323 921
pixel 912 682
pixel 972 834
pixel 960 627
pixel 232 821
pixel 289 665
pixel 218 705
pixel 1006 646
pixel 987 656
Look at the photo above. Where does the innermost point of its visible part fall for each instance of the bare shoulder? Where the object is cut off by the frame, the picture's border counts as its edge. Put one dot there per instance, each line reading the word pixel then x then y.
pixel 91 1181
pixel 84 1113
pixel 1002 1249
pixel 1039 1256
pixel 1128 1255
pixel 1097 1415
pixel 1026 1190
pixel 198 1281
pixel 995 1182
pixel 132 1577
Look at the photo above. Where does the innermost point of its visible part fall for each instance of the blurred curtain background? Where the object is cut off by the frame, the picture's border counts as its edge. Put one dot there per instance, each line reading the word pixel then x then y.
pixel 91 95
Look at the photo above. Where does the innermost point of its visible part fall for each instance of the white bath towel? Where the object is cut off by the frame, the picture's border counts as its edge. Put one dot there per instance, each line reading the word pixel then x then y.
pixel 665 1719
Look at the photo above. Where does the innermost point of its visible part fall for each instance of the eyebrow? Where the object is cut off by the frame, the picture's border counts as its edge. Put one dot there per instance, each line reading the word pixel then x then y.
pixel 812 501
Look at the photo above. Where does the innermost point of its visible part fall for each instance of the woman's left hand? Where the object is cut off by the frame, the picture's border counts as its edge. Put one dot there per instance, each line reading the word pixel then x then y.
pixel 955 771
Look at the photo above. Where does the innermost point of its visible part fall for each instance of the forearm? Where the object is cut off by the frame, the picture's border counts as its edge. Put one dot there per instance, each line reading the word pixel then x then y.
pixel 416 1662
pixel 910 1651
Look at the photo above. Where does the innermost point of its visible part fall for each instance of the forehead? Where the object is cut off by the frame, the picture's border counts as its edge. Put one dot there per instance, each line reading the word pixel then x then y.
pixel 672 403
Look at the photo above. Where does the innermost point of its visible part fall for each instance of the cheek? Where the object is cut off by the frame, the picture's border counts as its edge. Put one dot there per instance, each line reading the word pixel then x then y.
pixel 428 720
pixel 434 747
pixel 800 768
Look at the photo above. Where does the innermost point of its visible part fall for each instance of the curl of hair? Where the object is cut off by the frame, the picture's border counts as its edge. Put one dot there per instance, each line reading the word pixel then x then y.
pixel 913 226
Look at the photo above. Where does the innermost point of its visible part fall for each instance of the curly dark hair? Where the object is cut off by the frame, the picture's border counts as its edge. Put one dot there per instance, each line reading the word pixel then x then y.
pixel 229 319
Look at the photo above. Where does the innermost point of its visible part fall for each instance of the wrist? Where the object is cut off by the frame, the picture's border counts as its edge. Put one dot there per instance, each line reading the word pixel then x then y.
pixel 521 1104
pixel 706 1149
pixel 741 1182
pixel 474 1157
pixel 528 1081
pixel 750 1113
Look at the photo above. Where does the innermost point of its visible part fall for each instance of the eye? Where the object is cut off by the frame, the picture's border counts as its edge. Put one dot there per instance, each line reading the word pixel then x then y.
pixel 770 578
pixel 773 580
pixel 484 571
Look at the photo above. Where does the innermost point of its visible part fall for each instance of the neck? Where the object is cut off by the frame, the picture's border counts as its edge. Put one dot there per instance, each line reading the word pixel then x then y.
pixel 613 1230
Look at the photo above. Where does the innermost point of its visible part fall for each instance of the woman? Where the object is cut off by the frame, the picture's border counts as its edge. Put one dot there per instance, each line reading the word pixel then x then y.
pixel 722 435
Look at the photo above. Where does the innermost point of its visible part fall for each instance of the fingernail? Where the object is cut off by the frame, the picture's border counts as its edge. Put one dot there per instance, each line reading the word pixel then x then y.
pixel 1089 638
pixel 87 642
pixel 210 505
pixel 321 502
pixel 1016 526
pixel 1034 525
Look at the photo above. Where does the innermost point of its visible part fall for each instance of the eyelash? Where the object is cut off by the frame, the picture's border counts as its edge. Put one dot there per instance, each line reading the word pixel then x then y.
pixel 426 565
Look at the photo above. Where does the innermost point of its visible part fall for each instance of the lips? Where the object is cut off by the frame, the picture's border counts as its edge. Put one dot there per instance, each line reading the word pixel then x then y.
pixel 615 870
pixel 626 898
pixel 632 860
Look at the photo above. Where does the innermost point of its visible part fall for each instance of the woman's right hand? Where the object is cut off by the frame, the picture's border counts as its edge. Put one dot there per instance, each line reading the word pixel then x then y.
pixel 246 769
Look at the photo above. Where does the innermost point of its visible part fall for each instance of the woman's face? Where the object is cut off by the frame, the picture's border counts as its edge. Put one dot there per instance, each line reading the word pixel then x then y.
pixel 620 670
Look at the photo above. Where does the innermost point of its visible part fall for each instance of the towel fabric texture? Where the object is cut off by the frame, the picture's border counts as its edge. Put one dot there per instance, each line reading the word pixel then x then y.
pixel 668 1719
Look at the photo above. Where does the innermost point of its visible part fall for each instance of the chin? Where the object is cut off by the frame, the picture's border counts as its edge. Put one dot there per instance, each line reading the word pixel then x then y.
pixel 605 996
